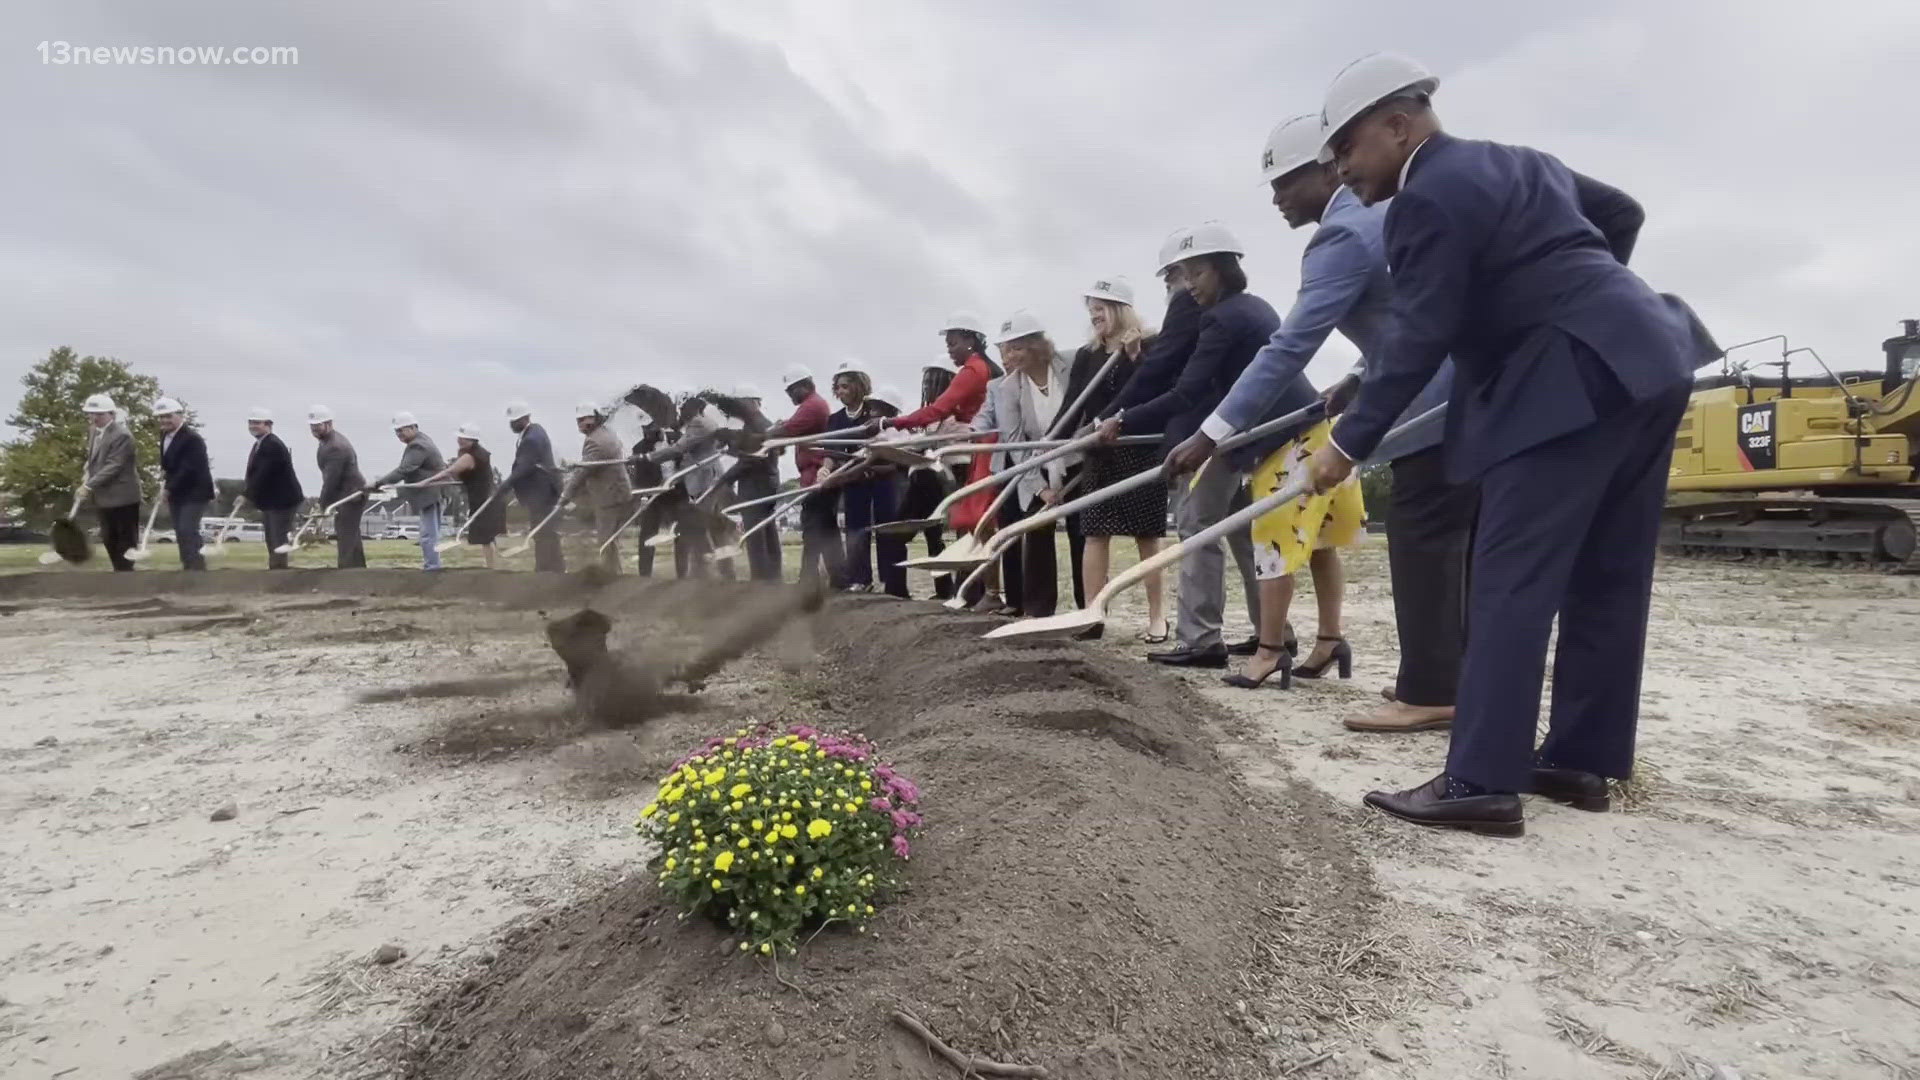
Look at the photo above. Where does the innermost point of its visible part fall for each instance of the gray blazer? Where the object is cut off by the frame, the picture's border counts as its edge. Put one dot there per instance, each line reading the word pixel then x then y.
pixel 339 469
pixel 113 470
pixel 418 461
pixel 1006 410
pixel 698 441
pixel 605 486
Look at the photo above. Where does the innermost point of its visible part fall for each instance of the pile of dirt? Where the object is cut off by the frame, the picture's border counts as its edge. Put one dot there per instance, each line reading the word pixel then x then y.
pixel 1096 895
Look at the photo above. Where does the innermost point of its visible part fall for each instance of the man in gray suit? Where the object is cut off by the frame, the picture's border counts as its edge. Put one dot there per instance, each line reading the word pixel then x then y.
pixel 418 461
pixel 339 478
pixel 112 484
pixel 1345 285
pixel 604 485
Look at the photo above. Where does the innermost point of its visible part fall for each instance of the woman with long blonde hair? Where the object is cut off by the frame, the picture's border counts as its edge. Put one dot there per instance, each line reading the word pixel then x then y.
pixel 1141 513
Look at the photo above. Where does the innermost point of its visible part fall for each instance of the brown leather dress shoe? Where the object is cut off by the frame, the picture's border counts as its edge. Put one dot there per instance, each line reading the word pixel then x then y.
pixel 1580 790
pixel 1394 718
pixel 1490 815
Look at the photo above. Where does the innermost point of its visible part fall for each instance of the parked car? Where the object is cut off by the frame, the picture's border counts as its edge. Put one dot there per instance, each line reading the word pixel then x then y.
pixel 401 532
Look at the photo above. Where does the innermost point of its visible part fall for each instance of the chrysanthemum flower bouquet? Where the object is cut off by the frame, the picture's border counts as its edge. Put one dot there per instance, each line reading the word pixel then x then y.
pixel 777 832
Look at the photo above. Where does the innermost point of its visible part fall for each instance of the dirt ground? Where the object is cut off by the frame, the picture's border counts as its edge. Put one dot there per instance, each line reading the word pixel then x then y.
pixel 407 769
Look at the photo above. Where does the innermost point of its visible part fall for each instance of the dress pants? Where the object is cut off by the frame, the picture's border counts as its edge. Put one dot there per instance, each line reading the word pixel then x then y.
pixel 649 526
pixel 693 540
pixel 1566 528
pixel 868 503
pixel 350 550
pixel 821 550
pixel 546 544
pixel 186 532
pixel 1037 591
pixel 763 547
pixel 606 530
pixel 430 536
pixel 279 529
pixel 1429 533
pixel 119 532
pixel 1219 491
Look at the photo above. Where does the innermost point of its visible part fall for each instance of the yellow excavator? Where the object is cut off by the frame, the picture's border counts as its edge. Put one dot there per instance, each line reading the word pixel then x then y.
pixel 1822 469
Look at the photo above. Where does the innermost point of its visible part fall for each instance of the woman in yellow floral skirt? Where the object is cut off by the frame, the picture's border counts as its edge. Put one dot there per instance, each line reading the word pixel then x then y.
pixel 1310 530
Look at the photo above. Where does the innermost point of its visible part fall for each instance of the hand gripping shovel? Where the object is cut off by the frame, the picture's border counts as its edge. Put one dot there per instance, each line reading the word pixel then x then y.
pixel 1096 610
pixel 143 552
pixel 69 540
pixel 1292 423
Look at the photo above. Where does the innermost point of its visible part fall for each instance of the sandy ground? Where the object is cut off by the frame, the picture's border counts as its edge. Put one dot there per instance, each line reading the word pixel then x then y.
pixel 1755 907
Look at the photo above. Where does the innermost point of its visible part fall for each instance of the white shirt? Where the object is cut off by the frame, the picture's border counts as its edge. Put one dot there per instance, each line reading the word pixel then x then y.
pixel 1044 403
pixel 167 440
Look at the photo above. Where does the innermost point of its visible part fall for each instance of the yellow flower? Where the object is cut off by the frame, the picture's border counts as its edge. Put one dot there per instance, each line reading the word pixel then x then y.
pixel 773 836
pixel 818 792
pixel 723 862
pixel 744 842
pixel 738 790
pixel 853 808
pixel 713 796
pixel 671 863
pixel 866 785
pixel 818 873
pixel 715 883
pixel 789 831
pixel 789 860
pixel 801 745
pixel 745 945
pixel 776 890
pixel 786 815
pixel 818 828
pixel 673 794
pixel 758 824
pixel 731 741
pixel 650 809
pixel 700 847
pixel 849 909
pixel 799 890
pixel 869 909
pixel 673 818
pixel 820 753
pixel 766 949
pixel 736 805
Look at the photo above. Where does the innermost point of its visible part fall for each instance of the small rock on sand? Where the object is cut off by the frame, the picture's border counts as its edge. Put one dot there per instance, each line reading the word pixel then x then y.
pixel 388 954
pixel 227 812
pixel 776 1034
pixel 51 740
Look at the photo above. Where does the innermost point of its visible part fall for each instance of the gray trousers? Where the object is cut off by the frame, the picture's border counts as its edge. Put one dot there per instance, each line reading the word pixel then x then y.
pixel 350 550
pixel 279 529
pixel 1203 582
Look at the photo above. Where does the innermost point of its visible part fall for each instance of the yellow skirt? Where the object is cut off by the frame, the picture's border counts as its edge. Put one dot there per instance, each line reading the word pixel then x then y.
pixel 1284 538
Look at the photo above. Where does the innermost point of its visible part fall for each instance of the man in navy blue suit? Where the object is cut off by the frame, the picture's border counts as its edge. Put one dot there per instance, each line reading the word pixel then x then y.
pixel 1571 375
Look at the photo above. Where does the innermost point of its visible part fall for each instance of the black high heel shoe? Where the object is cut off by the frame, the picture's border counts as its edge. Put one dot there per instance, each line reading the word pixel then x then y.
pixel 1283 668
pixel 1341 653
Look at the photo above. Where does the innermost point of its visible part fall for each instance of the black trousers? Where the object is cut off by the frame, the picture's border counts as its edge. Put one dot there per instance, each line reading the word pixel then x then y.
pixel 1036 592
pixel 924 490
pixel 1568 529
pixel 546 546
pixel 763 547
pixel 821 550
pixel 649 524
pixel 1429 536
pixel 119 532
pixel 351 551
pixel 279 528
pixel 186 532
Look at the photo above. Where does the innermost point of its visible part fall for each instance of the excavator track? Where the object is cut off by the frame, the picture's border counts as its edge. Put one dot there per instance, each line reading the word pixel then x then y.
pixel 1876 535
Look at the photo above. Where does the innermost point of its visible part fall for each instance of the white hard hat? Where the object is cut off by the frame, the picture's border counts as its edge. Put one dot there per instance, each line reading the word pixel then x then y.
pixel 1206 238
pixel 1365 83
pixel 965 320
pixel 891 395
pixel 1291 144
pixel 585 409
pixel 1018 325
pixel 319 414
pixel 99 403
pixel 796 373
pixel 853 367
pixel 166 405
pixel 1117 289
pixel 260 412
pixel 517 410
pixel 403 420
pixel 469 430
pixel 1169 249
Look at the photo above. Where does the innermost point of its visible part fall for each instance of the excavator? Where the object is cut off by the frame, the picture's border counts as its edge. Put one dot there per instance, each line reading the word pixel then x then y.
pixel 1819 469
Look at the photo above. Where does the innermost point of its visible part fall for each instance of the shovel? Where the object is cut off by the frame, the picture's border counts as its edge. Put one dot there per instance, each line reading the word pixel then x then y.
pixel 1095 612
pixel 1292 423
pixel 219 547
pixel 732 551
pixel 69 541
pixel 653 493
pixel 293 545
pixel 459 538
pixel 527 542
pixel 143 552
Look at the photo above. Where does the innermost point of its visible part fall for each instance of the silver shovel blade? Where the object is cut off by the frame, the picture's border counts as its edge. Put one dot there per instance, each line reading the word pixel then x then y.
pixel 445 546
pixel 48 558
pixel 1052 624
pixel 725 553
pixel 945 563
pixel 906 528
pixel 660 538
pixel 139 555
pixel 285 549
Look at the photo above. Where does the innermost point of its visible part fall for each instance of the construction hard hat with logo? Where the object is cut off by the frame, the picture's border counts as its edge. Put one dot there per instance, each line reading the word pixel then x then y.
pixel 1020 324
pixel 1117 289
pixel 1291 144
pixel 1365 83
pixel 260 413
pixel 965 320
pixel 469 430
pixel 319 414
pixel 518 410
pixel 796 374
pixel 853 367
pixel 165 406
pixel 404 420
pixel 890 395
pixel 586 409
pixel 1206 238
pixel 99 403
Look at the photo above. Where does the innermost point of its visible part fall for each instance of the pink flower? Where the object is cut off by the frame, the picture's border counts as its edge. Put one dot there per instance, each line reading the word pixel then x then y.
pixel 881 805
pixel 902 848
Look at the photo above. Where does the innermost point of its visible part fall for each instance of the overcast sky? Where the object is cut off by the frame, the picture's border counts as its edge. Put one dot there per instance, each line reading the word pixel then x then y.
pixel 445 206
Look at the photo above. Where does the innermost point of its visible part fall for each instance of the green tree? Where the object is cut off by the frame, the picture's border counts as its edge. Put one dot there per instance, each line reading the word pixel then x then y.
pixel 41 468
pixel 1376 487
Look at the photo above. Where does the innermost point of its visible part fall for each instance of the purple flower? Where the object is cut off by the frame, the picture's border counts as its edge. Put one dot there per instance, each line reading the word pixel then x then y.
pixel 902 848
pixel 881 805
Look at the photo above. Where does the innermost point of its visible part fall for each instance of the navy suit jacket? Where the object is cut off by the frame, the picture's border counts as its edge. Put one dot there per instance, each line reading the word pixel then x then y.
pixel 271 483
pixel 1231 331
pixel 532 475
pixel 183 461
pixel 1165 356
pixel 1516 266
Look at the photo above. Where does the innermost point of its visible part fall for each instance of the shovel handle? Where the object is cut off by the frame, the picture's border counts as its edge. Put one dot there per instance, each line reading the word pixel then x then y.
pixel 227 525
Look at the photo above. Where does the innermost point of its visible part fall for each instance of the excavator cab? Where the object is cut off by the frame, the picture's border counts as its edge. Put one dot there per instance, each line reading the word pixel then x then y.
pixel 1903 357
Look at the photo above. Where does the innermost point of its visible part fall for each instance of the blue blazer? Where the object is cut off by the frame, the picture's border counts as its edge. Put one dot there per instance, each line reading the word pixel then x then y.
pixel 1231 331
pixel 189 475
pixel 1516 266
pixel 1165 356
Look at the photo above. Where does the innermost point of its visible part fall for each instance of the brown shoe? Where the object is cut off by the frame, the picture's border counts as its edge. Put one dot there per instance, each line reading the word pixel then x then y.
pixel 1389 692
pixel 1396 717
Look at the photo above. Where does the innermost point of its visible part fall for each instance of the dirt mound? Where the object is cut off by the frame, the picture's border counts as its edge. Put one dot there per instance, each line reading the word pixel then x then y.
pixel 1097 895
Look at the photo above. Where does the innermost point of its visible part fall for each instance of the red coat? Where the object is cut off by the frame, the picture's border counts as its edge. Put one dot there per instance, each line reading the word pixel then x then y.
pixel 961 399
pixel 809 418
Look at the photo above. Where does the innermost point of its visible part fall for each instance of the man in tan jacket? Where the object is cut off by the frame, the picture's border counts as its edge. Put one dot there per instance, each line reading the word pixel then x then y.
pixel 112 485
pixel 603 485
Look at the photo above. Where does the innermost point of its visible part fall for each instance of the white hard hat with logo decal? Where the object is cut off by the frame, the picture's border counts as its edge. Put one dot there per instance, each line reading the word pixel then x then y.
pixel 853 367
pixel 1018 325
pixel 1117 289
pixel 891 395
pixel 796 374
pixel 965 320
pixel 260 413
pixel 1206 238
pixel 469 430
pixel 99 403
pixel 404 420
pixel 1291 144
pixel 518 410
pixel 586 409
pixel 167 406
pixel 1365 83
pixel 319 414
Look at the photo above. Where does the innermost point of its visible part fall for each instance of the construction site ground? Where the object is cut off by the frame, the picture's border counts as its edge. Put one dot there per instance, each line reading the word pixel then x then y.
pixel 1126 867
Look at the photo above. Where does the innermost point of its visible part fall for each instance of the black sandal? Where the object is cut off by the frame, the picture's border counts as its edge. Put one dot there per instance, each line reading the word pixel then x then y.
pixel 1283 667
pixel 1341 653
